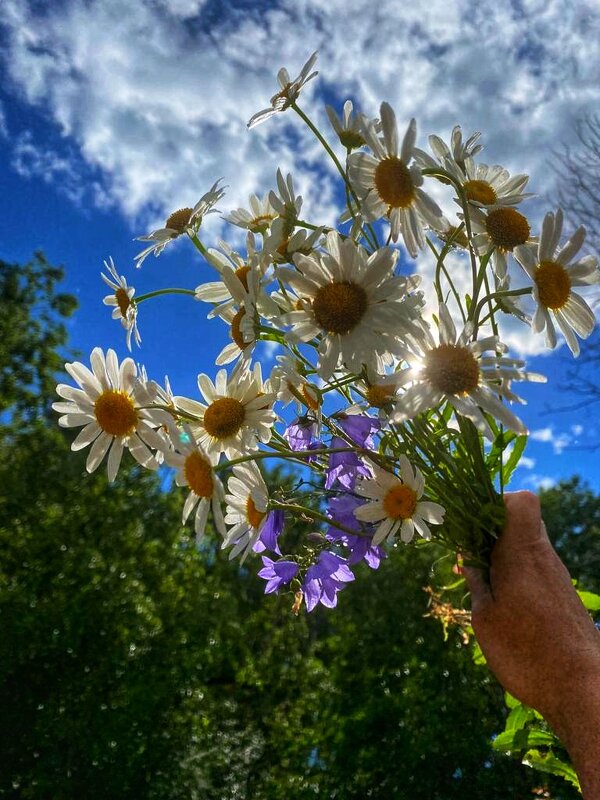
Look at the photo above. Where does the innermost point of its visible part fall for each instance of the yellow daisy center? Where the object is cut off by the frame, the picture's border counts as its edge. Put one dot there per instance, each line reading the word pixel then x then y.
pixel 123 301
pixel 116 413
pixel 400 502
pixel 379 396
pixel 553 284
pixel 241 274
pixel 452 369
pixel 255 517
pixel 236 331
pixel 179 220
pixel 480 192
pixel 311 398
pixel 394 183
pixel 224 417
pixel 199 475
pixel 339 307
pixel 261 223
pixel 507 228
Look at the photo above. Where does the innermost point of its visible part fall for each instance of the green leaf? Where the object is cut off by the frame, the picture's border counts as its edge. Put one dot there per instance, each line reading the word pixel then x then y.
pixel 519 717
pixel 548 762
pixel 513 459
pixel 590 600
pixel 523 739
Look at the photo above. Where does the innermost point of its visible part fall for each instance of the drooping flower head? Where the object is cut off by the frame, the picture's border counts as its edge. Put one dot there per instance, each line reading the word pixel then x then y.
pixel 122 302
pixel 288 92
pixel 184 220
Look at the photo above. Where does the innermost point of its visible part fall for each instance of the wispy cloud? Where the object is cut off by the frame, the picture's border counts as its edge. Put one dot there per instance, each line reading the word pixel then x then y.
pixel 155 96
pixel 558 440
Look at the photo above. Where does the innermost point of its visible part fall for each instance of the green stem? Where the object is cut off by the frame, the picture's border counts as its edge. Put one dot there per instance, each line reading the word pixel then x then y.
pixel 316 515
pixel 295 454
pixel 158 292
pixel 486 300
pixel 199 245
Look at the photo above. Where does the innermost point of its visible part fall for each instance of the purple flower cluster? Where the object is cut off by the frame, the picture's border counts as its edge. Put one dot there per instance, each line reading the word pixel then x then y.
pixel 332 572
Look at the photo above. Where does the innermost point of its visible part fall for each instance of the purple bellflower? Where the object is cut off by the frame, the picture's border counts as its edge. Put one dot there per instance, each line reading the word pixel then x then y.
pixel 277 573
pixel 325 579
pixel 341 509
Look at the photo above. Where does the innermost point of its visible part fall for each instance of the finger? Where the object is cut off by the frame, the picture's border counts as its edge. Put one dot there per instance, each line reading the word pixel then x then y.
pixel 478 587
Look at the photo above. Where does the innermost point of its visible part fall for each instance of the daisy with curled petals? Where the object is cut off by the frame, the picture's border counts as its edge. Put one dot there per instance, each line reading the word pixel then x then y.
pixel 457 372
pixel 554 274
pixel 243 323
pixel 489 186
pixel 353 302
pixel 196 470
pixel 388 185
pixel 184 220
pixel 458 151
pixel 395 503
pixel 288 91
pixel 237 412
pixel 291 385
pixel 121 299
pixel 110 406
pixel 248 513
pixel 281 246
pixel 258 219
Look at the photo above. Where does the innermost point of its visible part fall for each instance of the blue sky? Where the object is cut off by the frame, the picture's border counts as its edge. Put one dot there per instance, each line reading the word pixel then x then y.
pixel 114 114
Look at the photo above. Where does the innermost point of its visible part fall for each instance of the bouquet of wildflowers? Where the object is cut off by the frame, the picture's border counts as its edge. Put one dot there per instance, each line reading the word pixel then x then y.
pixel 390 396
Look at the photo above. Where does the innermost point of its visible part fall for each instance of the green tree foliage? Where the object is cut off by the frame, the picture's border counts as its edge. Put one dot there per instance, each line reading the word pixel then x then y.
pixel 32 333
pixel 134 666
pixel 572 515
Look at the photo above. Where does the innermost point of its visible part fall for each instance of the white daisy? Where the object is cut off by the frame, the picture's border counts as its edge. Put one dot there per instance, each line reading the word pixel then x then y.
pixel 239 411
pixel 395 503
pixel 347 127
pixel 489 186
pixel 247 506
pixel 458 151
pixel 353 302
pixel 243 324
pixel 196 470
pixel 185 220
pixel 239 276
pixel 281 245
pixel 121 299
pixel 554 274
pixel 258 219
pixel 388 185
pixel 380 390
pixel 288 92
pixel 109 406
pixel 502 228
pixel 457 372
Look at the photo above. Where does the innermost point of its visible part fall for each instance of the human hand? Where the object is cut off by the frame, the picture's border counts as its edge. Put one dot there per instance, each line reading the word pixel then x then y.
pixel 536 635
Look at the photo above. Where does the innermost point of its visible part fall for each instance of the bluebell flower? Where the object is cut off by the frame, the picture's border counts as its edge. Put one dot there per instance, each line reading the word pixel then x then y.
pixel 325 579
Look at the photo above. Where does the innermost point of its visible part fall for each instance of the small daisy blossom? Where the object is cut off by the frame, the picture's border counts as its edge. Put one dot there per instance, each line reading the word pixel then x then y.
pixel 499 227
pixel 489 186
pixel 281 244
pixel 196 470
pixel 288 92
pixel 238 412
pixel 380 390
pixel 247 509
pixel 388 185
pixel 395 503
pixel 258 219
pixel 554 274
pixel 457 372
pixel 122 302
pixel 347 127
pixel 292 385
pixel 109 406
pixel 353 301
pixel 458 151
pixel 243 323
pixel 184 220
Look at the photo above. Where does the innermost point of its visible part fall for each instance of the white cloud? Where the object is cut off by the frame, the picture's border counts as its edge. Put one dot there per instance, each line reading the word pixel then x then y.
pixel 526 462
pixel 558 440
pixel 154 96
pixel 539 481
